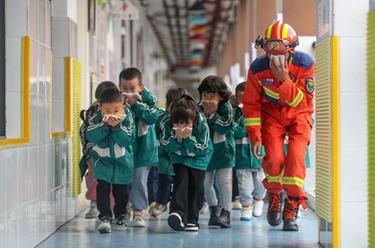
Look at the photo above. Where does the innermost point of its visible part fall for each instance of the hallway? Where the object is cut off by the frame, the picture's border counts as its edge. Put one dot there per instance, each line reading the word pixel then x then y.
pixel 308 61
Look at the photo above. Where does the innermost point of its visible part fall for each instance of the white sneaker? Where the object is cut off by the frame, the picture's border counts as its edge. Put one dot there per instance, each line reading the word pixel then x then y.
pixel 104 226
pixel 93 212
pixel 236 204
pixel 204 209
pixel 246 213
pixel 258 208
pixel 138 220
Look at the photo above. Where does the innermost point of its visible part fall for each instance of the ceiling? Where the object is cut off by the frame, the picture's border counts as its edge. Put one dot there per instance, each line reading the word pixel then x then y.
pixel 190 32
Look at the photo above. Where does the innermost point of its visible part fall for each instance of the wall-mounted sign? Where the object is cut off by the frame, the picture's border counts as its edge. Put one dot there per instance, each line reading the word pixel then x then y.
pixel 126 11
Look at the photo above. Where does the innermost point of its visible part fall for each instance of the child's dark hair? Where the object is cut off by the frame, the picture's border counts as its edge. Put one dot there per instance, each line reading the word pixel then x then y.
pixel 212 84
pixel 85 115
pixel 102 87
pixel 184 109
pixel 240 87
pixel 130 73
pixel 174 94
pixel 110 96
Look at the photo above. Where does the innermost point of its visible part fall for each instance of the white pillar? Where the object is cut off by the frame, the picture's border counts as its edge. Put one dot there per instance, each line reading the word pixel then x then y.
pixel 349 25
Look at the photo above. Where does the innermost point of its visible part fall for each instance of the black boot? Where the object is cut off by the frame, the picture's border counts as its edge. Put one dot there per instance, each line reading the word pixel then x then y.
pixel 224 219
pixel 290 214
pixel 274 209
pixel 214 212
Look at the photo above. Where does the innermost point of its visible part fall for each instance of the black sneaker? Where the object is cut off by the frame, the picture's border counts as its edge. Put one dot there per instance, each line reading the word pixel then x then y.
pixel 290 214
pixel 214 216
pixel 224 219
pixel 120 223
pixel 191 227
pixel 175 222
pixel 274 209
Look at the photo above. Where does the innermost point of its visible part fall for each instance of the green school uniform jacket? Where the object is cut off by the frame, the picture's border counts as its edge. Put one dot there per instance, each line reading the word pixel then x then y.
pixel 145 146
pixel 112 153
pixel 194 152
pixel 165 165
pixel 244 156
pixel 222 137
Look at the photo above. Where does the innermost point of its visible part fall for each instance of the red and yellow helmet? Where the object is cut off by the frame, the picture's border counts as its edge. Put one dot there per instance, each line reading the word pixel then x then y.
pixel 279 38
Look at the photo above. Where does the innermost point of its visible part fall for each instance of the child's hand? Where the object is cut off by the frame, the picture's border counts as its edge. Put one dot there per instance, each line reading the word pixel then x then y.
pixel 182 131
pixel 113 122
pixel 209 107
pixel 131 98
pixel 179 133
pixel 186 132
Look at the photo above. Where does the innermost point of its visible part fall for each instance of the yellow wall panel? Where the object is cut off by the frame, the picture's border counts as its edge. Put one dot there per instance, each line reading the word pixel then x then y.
pixel 371 123
pixel 327 135
pixel 323 130
pixel 77 81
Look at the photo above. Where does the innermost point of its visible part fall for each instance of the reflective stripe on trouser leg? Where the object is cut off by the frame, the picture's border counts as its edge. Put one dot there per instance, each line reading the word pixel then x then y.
pixel 273 134
pixel 295 166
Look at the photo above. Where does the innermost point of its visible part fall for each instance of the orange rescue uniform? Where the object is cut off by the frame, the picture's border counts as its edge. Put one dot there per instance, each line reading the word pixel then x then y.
pixel 272 109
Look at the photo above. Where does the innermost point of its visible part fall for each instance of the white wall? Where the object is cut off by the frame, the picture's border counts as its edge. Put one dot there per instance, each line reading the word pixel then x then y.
pixel 350 27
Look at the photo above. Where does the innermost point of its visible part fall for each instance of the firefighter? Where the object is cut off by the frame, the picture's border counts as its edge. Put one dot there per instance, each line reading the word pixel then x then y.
pixel 279 99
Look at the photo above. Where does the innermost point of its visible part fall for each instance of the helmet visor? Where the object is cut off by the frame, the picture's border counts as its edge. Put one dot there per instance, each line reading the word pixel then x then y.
pixel 276 46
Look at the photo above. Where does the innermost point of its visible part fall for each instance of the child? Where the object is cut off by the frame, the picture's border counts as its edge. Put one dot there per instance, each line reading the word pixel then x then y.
pixel 145 108
pixel 112 132
pixel 214 95
pixel 165 167
pixel 248 168
pixel 185 136
pixel 86 162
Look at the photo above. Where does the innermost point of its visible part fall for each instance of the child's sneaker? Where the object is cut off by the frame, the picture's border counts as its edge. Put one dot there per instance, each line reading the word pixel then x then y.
pixel 258 207
pixel 120 223
pixel 191 227
pixel 246 213
pixel 129 212
pixel 236 204
pixel 204 209
pixel 93 211
pixel 151 209
pixel 138 220
pixel 175 222
pixel 157 210
pixel 104 225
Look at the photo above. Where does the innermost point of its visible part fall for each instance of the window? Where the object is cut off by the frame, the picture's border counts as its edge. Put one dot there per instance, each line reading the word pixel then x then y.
pixel 2 69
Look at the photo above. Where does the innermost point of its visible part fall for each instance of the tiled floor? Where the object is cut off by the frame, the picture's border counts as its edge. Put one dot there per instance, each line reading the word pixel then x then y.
pixel 257 233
